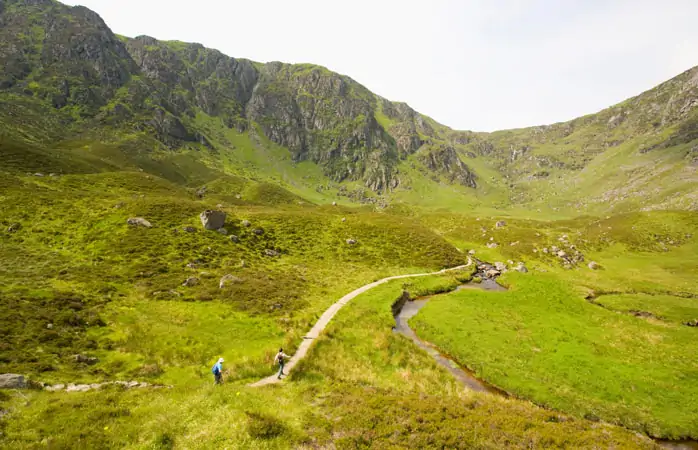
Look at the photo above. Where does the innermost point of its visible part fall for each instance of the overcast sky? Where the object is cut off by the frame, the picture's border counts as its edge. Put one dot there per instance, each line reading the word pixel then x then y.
pixel 471 64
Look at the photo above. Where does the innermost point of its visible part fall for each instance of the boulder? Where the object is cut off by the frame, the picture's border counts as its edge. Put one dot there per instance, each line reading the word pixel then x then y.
pixel 491 273
pixel 212 220
pixel 521 268
pixel 351 241
pixel 500 266
pixel 228 279
pixel 554 249
pixel 12 381
pixel 191 281
pixel 258 231
pixel 246 223
pixel 492 245
pixel 593 265
pixel 561 254
pixel 344 219
pixel 692 323
pixel 545 250
pixel 270 252
pixel 500 224
pixel 234 238
pixel 223 231
pixel 89 360
pixel 139 222
pixel 201 192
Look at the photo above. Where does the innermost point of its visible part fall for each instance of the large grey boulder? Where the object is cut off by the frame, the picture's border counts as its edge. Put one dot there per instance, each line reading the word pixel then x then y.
pixel 212 220
pixel 12 381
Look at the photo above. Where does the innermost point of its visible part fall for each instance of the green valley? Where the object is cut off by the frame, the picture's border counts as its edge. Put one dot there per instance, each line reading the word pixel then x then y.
pixel 116 297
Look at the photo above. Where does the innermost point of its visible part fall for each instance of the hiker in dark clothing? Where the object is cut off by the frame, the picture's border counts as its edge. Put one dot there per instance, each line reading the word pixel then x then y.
pixel 217 371
pixel 280 358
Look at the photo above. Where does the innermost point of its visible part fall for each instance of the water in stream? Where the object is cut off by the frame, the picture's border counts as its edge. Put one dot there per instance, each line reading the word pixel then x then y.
pixel 466 377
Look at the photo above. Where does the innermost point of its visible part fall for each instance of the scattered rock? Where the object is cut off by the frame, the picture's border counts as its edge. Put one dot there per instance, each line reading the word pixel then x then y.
pixel 139 222
pixel 223 231
pixel 471 252
pixel 500 224
pixel 344 219
pixel 545 250
pixel 642 314
pixel 351 241
pixel 561 254
pixel 234 238
pixel 271 253
pixel 492 245
pixel 206 275
pixel 521 268
pixel 692 323
pixel 554 249
pixel 246 223
pixel 258 231
pixel 55 387
pixel 77 387
pixel 593 265
pixel 514 243
pixel 212 220
pixel 500 266
pixel 228 279
pixel 49 326
pixel 201 192
pixel 334 203
pixel 12 381
pixel 14 227
pixel 82 359
pixel 189 229
pixel 491 273
pixel 38 174
pixel 191 281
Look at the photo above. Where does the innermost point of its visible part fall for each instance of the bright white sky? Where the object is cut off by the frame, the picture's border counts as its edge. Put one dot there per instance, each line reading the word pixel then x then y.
pixel 470 64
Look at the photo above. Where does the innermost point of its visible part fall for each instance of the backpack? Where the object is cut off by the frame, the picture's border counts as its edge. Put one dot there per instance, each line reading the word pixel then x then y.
pixel 214 370
pixel 280 358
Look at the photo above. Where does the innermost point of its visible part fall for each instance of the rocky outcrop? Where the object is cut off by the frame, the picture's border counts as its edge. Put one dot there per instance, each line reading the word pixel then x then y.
pixel 12 381
pixel 446 161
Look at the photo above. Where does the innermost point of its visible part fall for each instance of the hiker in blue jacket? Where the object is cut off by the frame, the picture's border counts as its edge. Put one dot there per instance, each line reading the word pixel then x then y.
pixel 217 371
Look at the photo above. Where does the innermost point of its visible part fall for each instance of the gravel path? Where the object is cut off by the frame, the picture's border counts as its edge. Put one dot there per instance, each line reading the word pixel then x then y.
pixel 330 313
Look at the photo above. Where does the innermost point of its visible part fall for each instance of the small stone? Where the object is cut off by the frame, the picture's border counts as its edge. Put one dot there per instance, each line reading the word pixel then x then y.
pixel 500 266
pixel 344 219
pixel 492 245
pixel 351 241
pixel 471 252
pixel 521 268
pixel 692 323
pixel 38 174
pixel 500 224
pixel 334 203
pixel 234 238
pixel 14 227
pixel 593 265
pixel 271 253
pixel 491 273
pixel 89 360
pixel 139 222
pixel 561 254
pixel 223 231
pixel 201 192
pixel 246 223
pixel 189 229
pixel 191 281
pixel 545 250
pixel 49 326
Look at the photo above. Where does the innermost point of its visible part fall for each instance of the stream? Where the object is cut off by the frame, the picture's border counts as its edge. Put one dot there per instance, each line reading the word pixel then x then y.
pixel 410 309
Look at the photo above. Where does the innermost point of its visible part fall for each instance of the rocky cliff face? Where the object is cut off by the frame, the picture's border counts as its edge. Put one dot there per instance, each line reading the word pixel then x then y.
pixel 445 160
pixel 69 57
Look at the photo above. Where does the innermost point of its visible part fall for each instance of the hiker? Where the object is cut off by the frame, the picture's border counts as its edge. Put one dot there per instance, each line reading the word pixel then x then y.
pixel 217 370
pixel 280 359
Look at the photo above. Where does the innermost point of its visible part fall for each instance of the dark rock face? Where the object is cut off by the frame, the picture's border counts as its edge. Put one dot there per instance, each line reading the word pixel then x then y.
pixel 446 161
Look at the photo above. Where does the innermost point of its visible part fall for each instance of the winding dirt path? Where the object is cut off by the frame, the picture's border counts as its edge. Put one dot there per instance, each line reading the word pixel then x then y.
pixel 330 312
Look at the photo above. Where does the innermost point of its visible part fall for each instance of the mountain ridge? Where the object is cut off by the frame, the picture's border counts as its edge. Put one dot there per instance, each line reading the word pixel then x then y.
pixel 117 86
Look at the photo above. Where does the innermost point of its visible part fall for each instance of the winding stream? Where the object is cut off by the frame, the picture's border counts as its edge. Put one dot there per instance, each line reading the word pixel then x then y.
pixel 465 376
